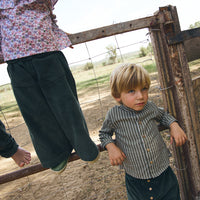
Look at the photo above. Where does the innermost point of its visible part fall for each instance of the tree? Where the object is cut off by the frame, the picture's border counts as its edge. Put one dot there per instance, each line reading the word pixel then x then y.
pixel 143 52
pixel 195 25
pixel 112 54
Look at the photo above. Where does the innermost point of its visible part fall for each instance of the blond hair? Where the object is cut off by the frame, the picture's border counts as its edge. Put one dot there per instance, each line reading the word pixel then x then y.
pixel 127 77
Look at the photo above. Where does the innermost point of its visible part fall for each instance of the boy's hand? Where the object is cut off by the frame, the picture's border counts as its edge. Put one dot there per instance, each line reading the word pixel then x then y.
pixel 177 134
pixel 116 156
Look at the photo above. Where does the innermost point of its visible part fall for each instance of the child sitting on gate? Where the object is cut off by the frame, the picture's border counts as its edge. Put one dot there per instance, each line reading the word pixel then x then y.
pixel 139 147
pixel 43 85
pixel 9 148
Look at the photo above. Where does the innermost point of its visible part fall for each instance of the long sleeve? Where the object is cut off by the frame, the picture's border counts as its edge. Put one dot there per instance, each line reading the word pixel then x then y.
pixel 164 118
pixel 106 132
pixel 8 145
pixel 20 38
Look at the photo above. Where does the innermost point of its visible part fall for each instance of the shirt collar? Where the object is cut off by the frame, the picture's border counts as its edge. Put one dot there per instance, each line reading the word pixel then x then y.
pixel 123 107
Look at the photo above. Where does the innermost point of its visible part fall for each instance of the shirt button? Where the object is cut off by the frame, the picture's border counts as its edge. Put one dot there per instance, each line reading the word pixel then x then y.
pixel 151 198
pixel 140 122
pixel 150 188
pixel 143 136
pixel 148 150
pixel 148 181
pixel 151 162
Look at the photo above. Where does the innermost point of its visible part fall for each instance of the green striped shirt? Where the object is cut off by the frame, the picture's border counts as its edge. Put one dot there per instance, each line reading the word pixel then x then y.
pixel 137 135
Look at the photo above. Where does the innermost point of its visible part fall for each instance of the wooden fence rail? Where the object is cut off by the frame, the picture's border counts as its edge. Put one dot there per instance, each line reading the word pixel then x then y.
pixel 27 171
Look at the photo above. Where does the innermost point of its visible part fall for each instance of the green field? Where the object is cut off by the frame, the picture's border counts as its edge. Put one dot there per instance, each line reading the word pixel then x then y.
pixel 86 81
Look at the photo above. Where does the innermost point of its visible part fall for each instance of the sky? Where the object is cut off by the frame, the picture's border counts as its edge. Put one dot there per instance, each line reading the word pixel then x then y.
pixel 76 16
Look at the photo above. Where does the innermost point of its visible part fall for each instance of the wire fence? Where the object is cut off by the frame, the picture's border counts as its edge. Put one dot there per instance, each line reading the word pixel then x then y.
pixel 80 180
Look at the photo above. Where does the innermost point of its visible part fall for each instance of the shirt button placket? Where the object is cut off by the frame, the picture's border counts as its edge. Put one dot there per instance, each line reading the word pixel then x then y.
pixel 150 189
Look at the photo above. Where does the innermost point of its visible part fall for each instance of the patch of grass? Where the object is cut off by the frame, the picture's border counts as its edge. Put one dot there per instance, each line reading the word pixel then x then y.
pixel 88 83
pixel 150 67
pixel 85 81
pixel 10 107
pixel 105 78
pixel 6 87
pixel 195 62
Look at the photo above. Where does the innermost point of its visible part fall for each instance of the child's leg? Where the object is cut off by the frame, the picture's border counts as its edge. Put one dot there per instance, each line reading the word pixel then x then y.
pixel 169 186
pixel 51 145
pixel 134 188
pixel 58 87
pixel 163 187
pixel 21 157
pixel 45 93
pixel 66 104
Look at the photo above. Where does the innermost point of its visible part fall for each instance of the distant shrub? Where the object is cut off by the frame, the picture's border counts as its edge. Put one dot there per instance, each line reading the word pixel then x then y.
pixel 88 66
pixel 143 52
pixel 119 60
pixel 195 25
pixel 6 87
pixel 112 54
pixel 104 63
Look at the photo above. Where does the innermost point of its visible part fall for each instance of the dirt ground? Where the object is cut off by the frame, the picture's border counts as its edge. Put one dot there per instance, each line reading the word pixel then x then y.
pixel 80 180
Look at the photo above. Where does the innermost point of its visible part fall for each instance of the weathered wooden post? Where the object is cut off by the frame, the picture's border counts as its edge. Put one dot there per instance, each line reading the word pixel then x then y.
pixel 178 98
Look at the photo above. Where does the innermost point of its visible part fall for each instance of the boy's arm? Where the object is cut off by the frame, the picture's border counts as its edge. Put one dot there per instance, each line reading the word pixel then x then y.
pixel 116 156
pixel 177 134
pixel 176 131
pixel 107 130
pixel 164 118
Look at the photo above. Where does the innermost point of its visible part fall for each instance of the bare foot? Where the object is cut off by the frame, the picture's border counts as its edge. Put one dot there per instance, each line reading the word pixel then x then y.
pixel 21 157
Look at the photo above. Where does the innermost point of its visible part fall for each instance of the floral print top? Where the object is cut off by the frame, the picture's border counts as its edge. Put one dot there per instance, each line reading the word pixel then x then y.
pixel 28 27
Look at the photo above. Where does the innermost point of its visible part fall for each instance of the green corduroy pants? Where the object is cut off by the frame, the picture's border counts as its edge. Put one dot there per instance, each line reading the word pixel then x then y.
pixel 163 187
pixel 46 94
